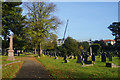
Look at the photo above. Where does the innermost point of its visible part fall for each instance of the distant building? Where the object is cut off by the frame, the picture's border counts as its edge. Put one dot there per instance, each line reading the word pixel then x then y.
pixel 112 42
pixel 60 42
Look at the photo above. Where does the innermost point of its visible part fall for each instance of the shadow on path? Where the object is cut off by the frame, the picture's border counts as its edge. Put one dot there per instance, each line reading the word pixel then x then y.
pixel 32 69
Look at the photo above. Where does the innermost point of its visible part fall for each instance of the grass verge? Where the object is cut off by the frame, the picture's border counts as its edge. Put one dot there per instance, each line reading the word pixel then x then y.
pixel 8 71
pixel 59 69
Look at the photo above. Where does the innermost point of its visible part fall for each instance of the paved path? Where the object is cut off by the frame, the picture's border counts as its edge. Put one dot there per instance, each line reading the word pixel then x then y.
pixel 32 69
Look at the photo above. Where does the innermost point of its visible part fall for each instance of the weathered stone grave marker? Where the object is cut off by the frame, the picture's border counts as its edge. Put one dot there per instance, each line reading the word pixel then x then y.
pixel 65 59
pixel 103 57
pixel 93 57
pixel 56 57
pixel 110 57
pixel 107 55
pixel 86 59
pixel 79 60
pixel 11 51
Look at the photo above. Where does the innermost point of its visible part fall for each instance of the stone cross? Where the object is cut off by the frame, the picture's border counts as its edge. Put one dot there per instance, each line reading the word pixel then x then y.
pixel 11 51
pixel 90 51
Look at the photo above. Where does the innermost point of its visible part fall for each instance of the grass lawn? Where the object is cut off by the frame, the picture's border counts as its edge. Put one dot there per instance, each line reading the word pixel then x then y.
pixel 10 70
pixel 59 69
pixel 4 60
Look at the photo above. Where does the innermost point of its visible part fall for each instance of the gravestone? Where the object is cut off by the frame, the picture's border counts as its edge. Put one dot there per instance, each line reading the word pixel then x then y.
pixel 71 57
pixel 82 55
pixel 119 55
pixel 79 60
pixel 56 57
pixel 11 51
pixel 110 57
pixel 103 57
pixel 90 51
pixel 85 57
pixel 111 65
pixel 107 54
pixel 93 57
pixel 74 57
pixel 65 59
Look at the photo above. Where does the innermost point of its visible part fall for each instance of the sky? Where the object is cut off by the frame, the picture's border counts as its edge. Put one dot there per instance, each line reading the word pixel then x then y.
pixel 87 20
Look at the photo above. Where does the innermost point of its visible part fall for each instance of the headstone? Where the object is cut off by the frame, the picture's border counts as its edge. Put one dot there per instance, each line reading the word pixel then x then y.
pixel 11 51
pixel 79 60
pixel 108 64
pixel 107 54
pixel 111 65
pixel 103 57
pixel 65 59
pixel 71 57
pixel 85 57
pixel 93 57
pixel 56 57
pixel 119 55
pixel 74 57
pixel 90 52
pixel 110 57
pixel 100 54
pixel 82 55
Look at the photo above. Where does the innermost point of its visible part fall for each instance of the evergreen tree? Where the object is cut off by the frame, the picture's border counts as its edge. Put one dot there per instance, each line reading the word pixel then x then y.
pixel 115 28
pixel 12 21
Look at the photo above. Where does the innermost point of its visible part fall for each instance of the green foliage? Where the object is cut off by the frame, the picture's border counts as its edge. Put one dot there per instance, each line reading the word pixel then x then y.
pixel 40 22
pixel 42 55
pixel 115 28
pixel 12 20
pixel 84 44
pixel 71 46
pixel 96 48
pixel 50 43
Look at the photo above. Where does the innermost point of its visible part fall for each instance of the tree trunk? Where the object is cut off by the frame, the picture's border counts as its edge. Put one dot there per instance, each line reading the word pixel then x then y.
pixel 35 51
pixel 4 45
pixel 40 50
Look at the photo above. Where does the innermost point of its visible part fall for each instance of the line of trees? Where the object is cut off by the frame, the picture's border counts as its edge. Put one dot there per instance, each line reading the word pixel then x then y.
pixel 73 47
pixel 33 29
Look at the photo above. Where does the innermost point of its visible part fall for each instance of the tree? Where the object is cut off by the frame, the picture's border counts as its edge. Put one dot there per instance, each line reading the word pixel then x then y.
pixel 115 28
pixel 96 48
pixel 71 46
pixel 84 44
pixel 40 22
pixel 50 43
pixel 81 48
pixel 12 20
